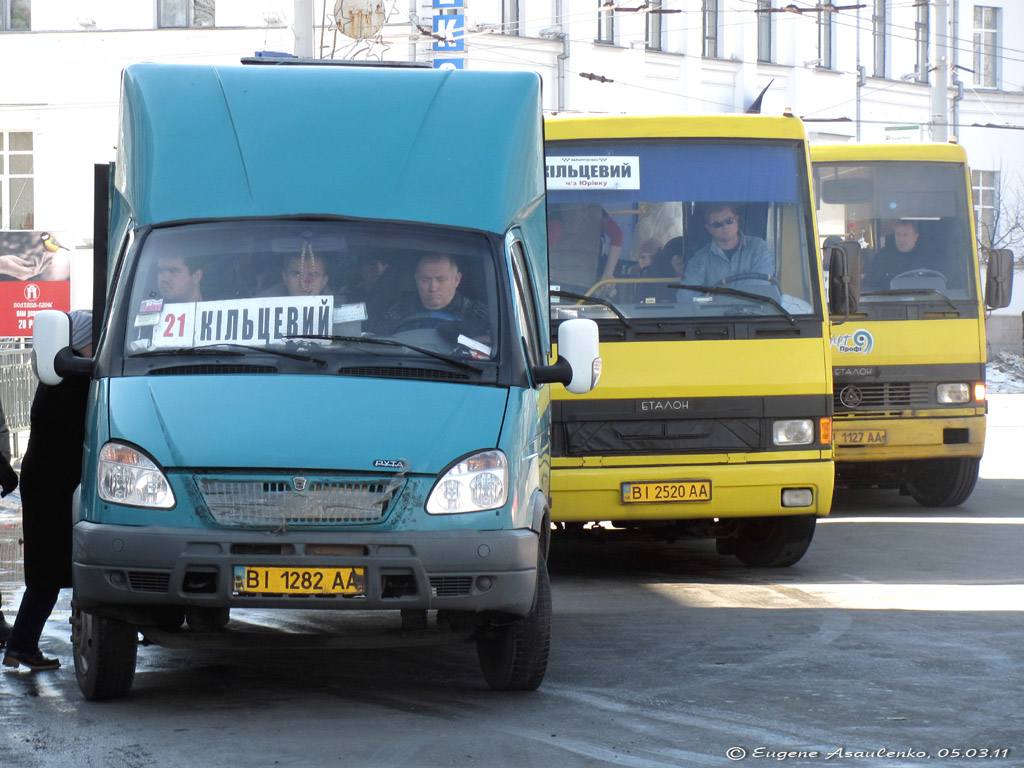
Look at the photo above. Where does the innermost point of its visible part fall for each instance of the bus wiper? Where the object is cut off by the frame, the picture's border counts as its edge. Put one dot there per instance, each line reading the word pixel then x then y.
pixel 721 289
pixel 392 343
pixel 594 300
pixel 212 349
pixel 915 292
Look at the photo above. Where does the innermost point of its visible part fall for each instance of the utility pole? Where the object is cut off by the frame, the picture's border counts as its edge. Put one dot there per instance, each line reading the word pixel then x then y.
pixel 940 72
pixel 302 27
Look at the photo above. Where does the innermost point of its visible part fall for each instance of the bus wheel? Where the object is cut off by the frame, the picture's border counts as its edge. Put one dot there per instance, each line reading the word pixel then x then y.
pixel 943 482
pixel 773 542
pixel 105 651
pixel 514 655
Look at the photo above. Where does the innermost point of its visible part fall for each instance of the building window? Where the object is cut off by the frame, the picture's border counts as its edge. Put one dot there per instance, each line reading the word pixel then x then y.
pixel 921 40
pixel 764 30
pixel 510 17
pixel 826 37
pixel 605 21
pixel 985 188
pixel 16 15
pixel 17 185
pixel 185 13
pixel 986 40
pixel 710 15
pixel 653 40
pixel 879 30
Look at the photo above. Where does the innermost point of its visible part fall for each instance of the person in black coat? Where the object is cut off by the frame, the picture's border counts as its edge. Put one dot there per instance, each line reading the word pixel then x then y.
pixel 8 481
pixel 50 472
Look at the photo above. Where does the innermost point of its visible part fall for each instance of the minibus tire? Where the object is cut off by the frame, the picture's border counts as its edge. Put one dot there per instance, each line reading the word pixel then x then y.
pixel 105 651
pixel 774 542
pixel 514 655
pixel 943 482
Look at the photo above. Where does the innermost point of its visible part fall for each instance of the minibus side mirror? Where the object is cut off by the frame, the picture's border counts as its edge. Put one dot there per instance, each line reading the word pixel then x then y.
pixel 52 358
pixel 998 278
pixel 843 278
pixel 579 358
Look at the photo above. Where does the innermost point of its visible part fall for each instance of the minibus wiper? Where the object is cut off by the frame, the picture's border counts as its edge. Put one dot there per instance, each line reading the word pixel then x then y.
pixel 594 300
pixel 915 292
pixel 735 292
pixel 213 349
pixel 393 343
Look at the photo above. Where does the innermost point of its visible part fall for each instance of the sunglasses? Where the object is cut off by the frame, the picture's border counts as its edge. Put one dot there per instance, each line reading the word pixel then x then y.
pixel 719 223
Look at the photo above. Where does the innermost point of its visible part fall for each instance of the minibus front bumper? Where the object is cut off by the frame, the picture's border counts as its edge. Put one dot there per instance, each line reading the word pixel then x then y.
pixel 151 566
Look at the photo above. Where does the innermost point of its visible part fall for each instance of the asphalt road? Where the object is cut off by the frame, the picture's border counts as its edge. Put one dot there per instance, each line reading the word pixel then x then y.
pixel 899 632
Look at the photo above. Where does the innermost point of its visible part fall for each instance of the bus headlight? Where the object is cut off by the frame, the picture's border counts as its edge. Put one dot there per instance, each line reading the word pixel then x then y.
pixel 125 475
pixel 473 484
pixel 953 393
pixel 793 432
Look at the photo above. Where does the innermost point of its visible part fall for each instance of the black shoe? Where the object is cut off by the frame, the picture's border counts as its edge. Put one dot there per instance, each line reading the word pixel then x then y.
pixel 34 660
pixel 5 631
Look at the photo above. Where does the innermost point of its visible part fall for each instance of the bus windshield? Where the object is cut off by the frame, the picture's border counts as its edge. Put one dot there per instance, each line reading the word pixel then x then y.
pixel 911 220
pixel 315 288
pixel 680 228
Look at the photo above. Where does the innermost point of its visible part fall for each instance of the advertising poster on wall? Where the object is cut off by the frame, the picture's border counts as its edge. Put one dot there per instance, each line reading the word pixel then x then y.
pixel 35 274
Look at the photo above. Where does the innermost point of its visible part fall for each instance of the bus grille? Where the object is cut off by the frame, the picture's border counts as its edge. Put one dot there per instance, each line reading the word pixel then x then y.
pixel 277 504
pixel 881 396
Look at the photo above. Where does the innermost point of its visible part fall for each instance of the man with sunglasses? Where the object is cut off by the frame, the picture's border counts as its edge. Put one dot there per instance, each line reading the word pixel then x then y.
pixel 730 252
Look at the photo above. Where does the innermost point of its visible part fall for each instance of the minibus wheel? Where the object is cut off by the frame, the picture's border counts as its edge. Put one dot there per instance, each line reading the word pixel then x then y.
pixel 943 482
pixel 773 542
pixel 105 651
pixel 514 654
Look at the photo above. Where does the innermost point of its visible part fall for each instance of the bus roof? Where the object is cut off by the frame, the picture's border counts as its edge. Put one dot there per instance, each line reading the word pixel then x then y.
pixel 674 126
pixel 927 152
pixel 453 148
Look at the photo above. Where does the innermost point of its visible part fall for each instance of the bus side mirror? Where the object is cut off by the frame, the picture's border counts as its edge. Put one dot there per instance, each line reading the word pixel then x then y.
pixel 998 278
pixel 52 358
pixel 579 358
pixel 843 278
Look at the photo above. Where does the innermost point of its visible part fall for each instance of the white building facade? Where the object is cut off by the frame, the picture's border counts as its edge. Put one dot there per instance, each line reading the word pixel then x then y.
pixel 871 71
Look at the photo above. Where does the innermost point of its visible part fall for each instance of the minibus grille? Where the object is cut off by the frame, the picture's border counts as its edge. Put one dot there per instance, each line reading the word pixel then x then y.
pixel 423 374
pixel 277 504
pixel 881 396
pixel 207 369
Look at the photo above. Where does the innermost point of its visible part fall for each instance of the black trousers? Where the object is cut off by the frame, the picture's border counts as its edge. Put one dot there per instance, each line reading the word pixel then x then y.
pixel 36 607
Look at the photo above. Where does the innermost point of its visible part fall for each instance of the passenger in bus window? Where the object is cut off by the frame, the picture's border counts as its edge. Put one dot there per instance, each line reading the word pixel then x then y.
pixel 576 241
pixel 730 252
pixel 305 274
pixel 438 303
pixel 372 285
pixel 179 279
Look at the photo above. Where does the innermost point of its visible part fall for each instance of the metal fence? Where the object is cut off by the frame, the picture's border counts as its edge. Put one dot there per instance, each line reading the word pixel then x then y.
pixel 17 387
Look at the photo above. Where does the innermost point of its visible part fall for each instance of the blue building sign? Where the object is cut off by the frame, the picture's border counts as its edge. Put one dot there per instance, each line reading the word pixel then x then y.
pixel 450 32
pixel 449 63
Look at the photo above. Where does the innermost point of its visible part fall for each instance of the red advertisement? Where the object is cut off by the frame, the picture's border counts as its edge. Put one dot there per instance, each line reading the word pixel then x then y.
pixel 35 274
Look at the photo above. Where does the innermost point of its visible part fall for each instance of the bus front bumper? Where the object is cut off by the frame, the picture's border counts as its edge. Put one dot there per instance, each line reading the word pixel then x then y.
pixel 594 492
pixel 908 437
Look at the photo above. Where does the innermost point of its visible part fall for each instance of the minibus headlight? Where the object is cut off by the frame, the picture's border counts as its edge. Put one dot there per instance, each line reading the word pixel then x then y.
pixel 473 484
pixel 953 393
pixel 793 432
pixel 127 476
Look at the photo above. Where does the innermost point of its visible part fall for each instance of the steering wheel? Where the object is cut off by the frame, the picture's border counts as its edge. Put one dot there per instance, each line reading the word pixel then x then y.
pixel 744 276
pixel 423 320
pixel 921 274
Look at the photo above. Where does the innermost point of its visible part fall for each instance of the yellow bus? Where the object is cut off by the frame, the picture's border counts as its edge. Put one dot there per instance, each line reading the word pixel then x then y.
pixel 691 241
pixel 909 364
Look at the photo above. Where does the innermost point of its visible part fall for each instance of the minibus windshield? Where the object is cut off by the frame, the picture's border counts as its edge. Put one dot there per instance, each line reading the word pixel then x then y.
pixel 673 228
pixel 313 291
